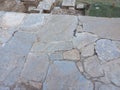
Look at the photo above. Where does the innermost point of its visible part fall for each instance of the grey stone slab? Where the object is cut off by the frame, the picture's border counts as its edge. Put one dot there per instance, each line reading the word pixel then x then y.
pixel 106 50
pixel 35 68
pixel 33 22
pixel 112 71
pixel 92 67
pixel 58 28
pixel 51 47
pixel 83 39
pixel 64 75
pixel 103 27
pixel 68 3
pixel 20 43
pixel 10 20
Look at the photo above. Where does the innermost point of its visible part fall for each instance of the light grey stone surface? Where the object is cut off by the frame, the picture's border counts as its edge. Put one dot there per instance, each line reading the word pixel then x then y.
pixel 4 88
pixel 92 67
pixel 35 68
pixel 106 50
pixel 72 55
pixel 83 39
pixel 63 75
pixel 68 3
pixel 88 51
pixel 103 27
pixel 11 19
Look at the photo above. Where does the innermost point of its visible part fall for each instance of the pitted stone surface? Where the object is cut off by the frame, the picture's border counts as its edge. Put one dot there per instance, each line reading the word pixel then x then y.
pixel 63 75
pixel 106 50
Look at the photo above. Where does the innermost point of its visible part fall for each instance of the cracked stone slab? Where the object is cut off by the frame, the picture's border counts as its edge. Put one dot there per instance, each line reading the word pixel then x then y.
pixel 11 19
pixel 35 68
pixel 20 43
pixel 64 75
pixel 88 51
pixel 106 50
pixel 103 27
pixel 72 55
pixel 92 67
pixel 51 47
pixel 83 39
pixel 33 22
pixel 58 28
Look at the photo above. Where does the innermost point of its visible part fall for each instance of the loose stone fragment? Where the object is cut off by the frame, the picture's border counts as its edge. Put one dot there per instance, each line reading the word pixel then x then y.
pixel 63 75
pixel 106 50
pixel 71 55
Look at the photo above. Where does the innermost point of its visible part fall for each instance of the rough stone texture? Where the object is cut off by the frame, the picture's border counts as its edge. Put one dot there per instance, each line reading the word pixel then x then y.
pixel 52 30
pixel 10 19
pixel 51 47
pixel 80 66
pixel 68 3
pixel 63 75
pixel 83 39
pixel 103 27
pixel 88 51
pixel 33 22
pixel 72 55
pixel 100 86
pixel 35 68
pixel 112 71
pixel 4 88
pixel 93 67
pixel 106 50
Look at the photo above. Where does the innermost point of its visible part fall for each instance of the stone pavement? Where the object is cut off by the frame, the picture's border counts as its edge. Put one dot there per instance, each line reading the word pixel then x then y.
pixel 59 52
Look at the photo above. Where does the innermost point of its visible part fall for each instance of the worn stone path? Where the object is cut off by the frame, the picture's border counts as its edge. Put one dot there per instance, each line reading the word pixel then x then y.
pixel 59 52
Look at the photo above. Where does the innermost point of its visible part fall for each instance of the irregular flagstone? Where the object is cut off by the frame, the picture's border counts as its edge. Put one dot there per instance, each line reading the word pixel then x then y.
pixel 83 39
pixel 20 43
pixel 106 50
pixel 11 20
pixel 35 68
pixel 72 54
pixel 80 66
pixel 14 75
pixel 58 28
pixel 33 22
pixel 92 67
pixel 63 75
pixel 112 71
pixel 88 50
pixel 51 47
pixel 103 27
pixel 101 86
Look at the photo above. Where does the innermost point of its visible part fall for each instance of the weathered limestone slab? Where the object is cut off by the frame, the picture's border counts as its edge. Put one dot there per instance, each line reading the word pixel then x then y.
pixel 103 27
pixel 58 28
pixel 80 6
pixel 68 3
pixel 63 75
pixel 92 67
pixel 83 39
pixel 72 55
pixel 35 68
pixel 11 19
pixel 106 50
